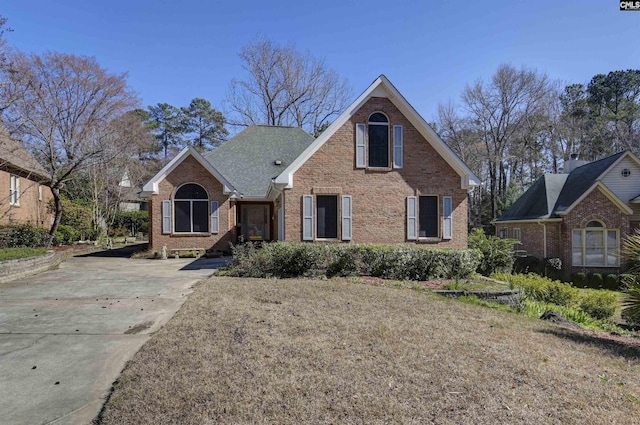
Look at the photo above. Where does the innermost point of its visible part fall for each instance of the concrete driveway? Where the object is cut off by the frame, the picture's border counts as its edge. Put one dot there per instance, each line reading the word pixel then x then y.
pixel 66 334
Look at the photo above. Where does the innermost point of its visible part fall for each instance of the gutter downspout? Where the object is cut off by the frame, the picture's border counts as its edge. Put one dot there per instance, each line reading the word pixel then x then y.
pixel 544 238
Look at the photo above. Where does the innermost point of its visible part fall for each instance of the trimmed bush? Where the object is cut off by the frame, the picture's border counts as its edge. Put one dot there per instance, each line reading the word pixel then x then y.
pixel 280 259
pixel 611 282
pixel 28 236
pixel 595 280
pixel 579 279
pixel 497 253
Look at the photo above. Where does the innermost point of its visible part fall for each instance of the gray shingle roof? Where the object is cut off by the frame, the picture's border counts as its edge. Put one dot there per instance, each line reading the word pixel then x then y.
pixel 554 193
pixel 14 155
pixel 248 159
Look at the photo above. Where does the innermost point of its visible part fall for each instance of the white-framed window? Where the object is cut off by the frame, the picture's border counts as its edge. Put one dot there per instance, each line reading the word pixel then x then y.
pixel 428 217
pixel 327 217
pixel 373 143
pixel 425 220
pixel 378 141
pixel 39 192
pixel 503 233
pixel 595 246
pixel 14 190
pixel 191 209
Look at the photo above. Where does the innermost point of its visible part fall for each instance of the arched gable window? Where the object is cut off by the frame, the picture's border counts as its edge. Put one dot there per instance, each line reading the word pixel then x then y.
pixel 191 208
pixel 378 140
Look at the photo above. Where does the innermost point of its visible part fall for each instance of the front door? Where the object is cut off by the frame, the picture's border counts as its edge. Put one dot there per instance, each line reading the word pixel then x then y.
pixel 255 222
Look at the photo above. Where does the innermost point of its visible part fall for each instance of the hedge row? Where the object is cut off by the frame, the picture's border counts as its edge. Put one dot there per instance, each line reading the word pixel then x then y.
pixel 286 259
pixel 30 236
pixel 599 304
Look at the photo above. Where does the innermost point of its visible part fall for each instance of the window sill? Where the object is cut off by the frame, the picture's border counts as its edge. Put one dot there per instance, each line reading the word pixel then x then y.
pixel 602 266
pixel 190 234
pixel 429 240
pixel 379 169
pixel 327 240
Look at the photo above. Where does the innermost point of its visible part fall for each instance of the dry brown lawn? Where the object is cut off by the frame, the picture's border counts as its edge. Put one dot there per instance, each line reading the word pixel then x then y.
pixel 248 351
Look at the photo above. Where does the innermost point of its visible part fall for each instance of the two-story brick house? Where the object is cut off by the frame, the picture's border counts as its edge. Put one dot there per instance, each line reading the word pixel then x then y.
pixel 24 182
pixel 580 216
pixel 378 174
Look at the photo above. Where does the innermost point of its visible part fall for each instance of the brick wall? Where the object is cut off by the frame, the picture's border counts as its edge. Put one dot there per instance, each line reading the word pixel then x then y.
pixel 190 171
pixel 596 206
pixel 379 196
pixel 532 238
pixel 31 209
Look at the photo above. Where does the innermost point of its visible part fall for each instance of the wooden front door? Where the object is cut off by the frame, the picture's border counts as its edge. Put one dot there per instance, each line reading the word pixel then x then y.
pixel 255 222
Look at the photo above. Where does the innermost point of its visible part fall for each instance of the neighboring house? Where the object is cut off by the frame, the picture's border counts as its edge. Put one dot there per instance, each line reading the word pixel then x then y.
pixel 581 216
pixel 25 194
pixel 377 174
pixel 130 196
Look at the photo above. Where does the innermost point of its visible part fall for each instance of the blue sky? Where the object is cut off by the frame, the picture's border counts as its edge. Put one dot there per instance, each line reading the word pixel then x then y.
pixel 174 51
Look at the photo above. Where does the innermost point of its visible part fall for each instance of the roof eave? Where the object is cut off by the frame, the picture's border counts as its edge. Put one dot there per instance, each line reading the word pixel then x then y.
pixel 527 220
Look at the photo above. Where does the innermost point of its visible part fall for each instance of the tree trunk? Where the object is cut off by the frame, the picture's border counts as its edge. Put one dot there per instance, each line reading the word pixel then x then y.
pixel 58 214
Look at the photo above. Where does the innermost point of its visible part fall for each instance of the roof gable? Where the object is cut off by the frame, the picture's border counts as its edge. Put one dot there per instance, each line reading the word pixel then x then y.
pixel 382 87
pixel 582 179
pixel 555 195
pixel 152 188
pixel 606 192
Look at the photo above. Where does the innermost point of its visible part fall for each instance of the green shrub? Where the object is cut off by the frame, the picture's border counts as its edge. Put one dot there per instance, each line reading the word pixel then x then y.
pixel 497 253
pixel 27 235
pixel 397 262
pixel 66 235
pixel 611 282
pixel 542 289
pixel 526 264
pixel 579 279
pixel 595 280
pixel 600 305
pixel 631 300
pixel 76 214
pixel 133 221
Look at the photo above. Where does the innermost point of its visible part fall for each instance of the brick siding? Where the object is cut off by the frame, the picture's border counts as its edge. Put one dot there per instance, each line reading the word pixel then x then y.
pixel 191 171
pixel 379 196
pixel 595 206
pixel 31 209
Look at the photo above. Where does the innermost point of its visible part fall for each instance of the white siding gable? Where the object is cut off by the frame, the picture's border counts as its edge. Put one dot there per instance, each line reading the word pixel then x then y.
pixel 625 188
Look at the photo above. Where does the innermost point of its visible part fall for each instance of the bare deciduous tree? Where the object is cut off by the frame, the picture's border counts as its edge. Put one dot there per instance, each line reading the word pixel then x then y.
pixel 506 112
pixel 61 108
pixel 285 87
